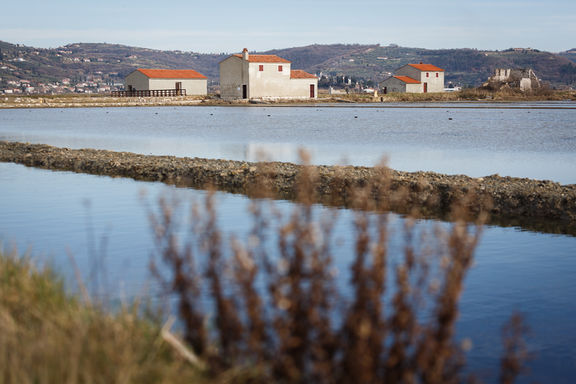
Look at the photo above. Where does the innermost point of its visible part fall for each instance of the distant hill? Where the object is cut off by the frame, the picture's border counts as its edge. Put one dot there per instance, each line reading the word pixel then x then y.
pixel 110 63
pixel 468 67
pixel 570 54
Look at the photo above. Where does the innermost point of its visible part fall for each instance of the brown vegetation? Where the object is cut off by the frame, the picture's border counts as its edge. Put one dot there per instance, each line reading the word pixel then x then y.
pixel 280 313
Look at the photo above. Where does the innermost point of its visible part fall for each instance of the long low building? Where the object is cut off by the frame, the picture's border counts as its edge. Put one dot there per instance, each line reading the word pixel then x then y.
pixel 248 76
pixel 180 81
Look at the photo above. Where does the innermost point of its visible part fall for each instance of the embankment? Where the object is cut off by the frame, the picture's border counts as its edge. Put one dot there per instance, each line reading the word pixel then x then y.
pixel 432 194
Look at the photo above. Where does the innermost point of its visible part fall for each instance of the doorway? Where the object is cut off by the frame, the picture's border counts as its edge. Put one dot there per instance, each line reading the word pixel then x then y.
pixel 244 91
pixel 312 91
pixel 425 87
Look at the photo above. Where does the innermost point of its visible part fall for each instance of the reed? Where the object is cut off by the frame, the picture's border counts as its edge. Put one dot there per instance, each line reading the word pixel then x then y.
pixel 272 308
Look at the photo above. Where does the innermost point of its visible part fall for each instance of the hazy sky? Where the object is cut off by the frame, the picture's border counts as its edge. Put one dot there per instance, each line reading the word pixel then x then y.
pixel 228 26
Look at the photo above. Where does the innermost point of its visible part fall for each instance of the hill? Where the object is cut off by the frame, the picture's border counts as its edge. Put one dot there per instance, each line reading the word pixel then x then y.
pixel 466 67
pixel 100 67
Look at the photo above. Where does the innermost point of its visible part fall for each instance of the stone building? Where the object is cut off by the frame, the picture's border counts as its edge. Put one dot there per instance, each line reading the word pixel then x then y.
pixel 180 81
pixel 522 78
pixel 415 78
pixel 247 76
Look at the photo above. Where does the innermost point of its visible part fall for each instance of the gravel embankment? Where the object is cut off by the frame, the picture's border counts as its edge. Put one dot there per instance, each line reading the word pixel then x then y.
pixel 429 192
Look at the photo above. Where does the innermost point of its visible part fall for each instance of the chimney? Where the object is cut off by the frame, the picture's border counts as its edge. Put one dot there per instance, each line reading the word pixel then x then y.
pixel 245 55
pixel 420 62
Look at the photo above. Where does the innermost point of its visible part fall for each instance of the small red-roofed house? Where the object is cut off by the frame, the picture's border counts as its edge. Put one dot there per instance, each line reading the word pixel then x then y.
pixel 251 76
pixel 415 78
pixel 183 81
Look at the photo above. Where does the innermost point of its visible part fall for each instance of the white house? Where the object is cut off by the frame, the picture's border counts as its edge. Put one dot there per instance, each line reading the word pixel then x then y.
pixel 177 81
pixel 415 78
pixel 246 76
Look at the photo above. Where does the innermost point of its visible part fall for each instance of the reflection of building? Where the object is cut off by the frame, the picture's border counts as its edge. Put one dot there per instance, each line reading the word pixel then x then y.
pixel 524 79
pixel 177 81
pixel 249 76
pixel 271 152
pixel 415 78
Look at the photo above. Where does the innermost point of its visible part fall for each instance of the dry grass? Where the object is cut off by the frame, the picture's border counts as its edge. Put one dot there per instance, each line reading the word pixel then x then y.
pixel 49 336
pixel 273 309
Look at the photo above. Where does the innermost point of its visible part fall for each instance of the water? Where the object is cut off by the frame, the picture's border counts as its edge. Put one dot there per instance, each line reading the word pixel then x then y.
pixel 56 214
pixel 536 140
pixel 102 222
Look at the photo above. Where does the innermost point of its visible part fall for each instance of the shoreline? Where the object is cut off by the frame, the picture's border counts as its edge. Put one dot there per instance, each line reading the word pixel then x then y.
pixel 383 101
pixel 514 201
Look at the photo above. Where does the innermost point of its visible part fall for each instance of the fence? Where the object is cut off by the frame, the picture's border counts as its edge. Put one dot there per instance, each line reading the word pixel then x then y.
pixel 150 93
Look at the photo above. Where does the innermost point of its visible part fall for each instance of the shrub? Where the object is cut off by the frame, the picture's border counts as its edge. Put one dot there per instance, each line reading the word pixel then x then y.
pixel 278 313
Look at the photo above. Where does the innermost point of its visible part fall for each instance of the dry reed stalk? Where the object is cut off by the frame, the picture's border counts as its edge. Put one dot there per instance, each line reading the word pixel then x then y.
pixel 280 312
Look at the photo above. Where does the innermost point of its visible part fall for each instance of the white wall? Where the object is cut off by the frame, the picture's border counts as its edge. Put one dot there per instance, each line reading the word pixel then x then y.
pixel 270 82
pixel 192 86
pixel 141 82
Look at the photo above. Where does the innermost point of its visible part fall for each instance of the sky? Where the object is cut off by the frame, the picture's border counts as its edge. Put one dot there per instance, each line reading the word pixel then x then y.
pixel 227 26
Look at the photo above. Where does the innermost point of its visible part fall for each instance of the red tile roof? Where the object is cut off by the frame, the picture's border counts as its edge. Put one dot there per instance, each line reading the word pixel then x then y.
pixel 427 67
pixel 264 58
pixel 300 74
pixel 171 73
pixel 407 80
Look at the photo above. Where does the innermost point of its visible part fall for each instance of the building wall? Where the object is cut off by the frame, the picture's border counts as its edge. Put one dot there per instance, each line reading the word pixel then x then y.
pixel 270 82
pixel 232 77
pixel 414 88
pixel 300 88
pixel 141 82
pixel 393 85
pixel 137 80
pixel 525 84
pixel 192 86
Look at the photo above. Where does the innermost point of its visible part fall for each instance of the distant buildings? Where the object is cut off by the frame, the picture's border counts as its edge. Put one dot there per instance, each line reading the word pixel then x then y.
pixel 246 76
pixel 178 81
pixel 523 79
pixel 415 78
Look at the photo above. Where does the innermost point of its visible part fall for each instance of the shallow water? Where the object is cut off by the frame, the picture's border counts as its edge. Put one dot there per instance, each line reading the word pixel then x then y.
pixel 102 222
pixel 53 214
pixel 535 140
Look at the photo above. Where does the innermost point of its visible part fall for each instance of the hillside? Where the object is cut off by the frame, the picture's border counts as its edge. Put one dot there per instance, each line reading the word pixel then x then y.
pixel 467 67
pixel 101 67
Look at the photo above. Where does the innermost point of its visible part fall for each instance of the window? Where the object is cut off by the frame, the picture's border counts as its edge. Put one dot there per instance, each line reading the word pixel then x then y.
pixel 279 68
pixel 436 74
pixel 427 74
pixel 261 68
